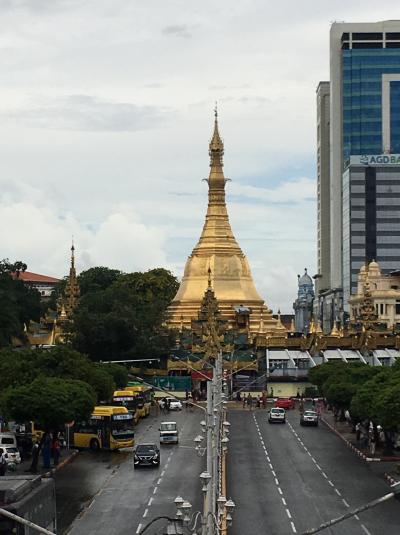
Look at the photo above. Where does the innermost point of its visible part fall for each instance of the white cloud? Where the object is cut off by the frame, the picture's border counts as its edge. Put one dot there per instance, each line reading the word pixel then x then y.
pixel 41 237
pixel 106 113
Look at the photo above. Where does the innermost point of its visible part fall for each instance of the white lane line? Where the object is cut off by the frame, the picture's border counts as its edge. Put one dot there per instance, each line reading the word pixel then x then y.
pixel 344 501
pixel 155 490
pixel 273 473
pixel 150 502
pixel 276 482
pixel 280 491
pixel 162 473
pixel 146 512
pixel 159 481
pixel 139 528
pixel 270 465
pixel 288 513
pixel 337 492
pixel 293 527
pixel 284 501
pixel 318 466
pixel 331 484
pixel 357 517
pixel 325 476
pixel 365 530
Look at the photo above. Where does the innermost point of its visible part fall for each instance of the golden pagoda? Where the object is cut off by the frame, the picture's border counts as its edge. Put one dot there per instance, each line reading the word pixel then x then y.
pixel 72 291
pixel 218 252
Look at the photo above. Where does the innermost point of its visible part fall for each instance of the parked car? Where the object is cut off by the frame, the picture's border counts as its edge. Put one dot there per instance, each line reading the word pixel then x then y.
pixel 285 403
pixel 174 404
pixel 277 415
pixel 146 455
pixel 309 418
pixel 8 439
pixel 12 455
pixel 168 433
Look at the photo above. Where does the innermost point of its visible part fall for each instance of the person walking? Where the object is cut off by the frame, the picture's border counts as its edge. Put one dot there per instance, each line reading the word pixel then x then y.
pixel 249 401
pixel 372 444
pixel 3 463
pixel 358 431
pixel 56 451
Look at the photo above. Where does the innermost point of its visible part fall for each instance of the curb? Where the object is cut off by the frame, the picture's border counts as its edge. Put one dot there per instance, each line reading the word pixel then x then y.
pixel 359 453
pixel 390 480
pixel 61 465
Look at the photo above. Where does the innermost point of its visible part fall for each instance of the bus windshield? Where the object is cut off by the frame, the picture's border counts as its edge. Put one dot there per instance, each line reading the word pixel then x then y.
pixel 122 426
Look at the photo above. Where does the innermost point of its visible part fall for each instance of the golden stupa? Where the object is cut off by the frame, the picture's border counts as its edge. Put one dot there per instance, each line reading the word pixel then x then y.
pixel 217 252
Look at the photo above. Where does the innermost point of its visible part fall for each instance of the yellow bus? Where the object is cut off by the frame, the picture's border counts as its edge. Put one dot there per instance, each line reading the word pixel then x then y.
pixel 129 399
pixel 108 428
pixel 144 395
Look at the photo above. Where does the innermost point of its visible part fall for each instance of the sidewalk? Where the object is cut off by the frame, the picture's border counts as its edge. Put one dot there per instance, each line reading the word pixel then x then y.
pixel 66 457
pixel 385 467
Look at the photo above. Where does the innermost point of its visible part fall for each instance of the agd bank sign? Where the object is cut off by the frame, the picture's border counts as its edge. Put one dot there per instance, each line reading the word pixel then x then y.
pixel 375 159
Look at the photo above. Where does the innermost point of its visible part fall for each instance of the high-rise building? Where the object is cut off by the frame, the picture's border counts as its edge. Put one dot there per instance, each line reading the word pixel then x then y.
pixel 364 182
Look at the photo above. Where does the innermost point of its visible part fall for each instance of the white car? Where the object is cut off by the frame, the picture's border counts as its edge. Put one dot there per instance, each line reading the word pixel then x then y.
pixel 277 414
pixel 173 403
pixel 12 455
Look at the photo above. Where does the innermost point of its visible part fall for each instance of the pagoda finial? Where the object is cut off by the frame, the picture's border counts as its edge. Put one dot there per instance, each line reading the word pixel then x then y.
pixel 216 148
pixel 72 253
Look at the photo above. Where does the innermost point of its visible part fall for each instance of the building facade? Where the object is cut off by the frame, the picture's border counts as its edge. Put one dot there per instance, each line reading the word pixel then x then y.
pixel 364 122
pixel 303 306
pixel 385 294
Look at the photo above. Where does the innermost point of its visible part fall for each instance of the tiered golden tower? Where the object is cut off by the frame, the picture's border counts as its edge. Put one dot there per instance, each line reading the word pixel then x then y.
pixel 218 251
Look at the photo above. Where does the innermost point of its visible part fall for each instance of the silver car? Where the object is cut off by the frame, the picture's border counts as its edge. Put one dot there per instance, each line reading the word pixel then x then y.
pixel 309 418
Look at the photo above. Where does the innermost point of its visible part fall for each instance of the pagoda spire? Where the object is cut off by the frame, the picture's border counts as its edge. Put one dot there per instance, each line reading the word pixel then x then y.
pixel 72 290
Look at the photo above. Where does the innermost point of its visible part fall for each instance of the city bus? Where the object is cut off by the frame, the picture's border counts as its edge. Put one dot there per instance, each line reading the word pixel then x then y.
pixel 145 396
pixel 129 399
pixel 108 428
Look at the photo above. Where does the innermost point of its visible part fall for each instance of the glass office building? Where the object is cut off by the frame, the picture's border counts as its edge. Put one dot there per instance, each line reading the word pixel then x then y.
pixel 363 71
pixel 364 189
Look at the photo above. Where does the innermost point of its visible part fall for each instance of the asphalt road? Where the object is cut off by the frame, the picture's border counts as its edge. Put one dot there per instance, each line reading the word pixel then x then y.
pixel 106 495
pixel 286 479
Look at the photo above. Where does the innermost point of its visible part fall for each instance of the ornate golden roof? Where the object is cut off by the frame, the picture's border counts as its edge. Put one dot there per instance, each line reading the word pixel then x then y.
pixel 218 250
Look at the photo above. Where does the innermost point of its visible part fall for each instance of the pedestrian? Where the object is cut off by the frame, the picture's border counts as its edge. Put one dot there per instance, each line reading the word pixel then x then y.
pixel 56 450
pixel 249 401
pixel 347 416
pixel 358 431
pixel 3 463
pixel 244 401
pixel 35 458
pixel 238 396
pixel 46 451
pixel 319 411
pixel 372 444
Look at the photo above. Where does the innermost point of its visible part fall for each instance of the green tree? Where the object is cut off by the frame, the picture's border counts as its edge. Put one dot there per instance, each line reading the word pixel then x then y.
pixel 19 368
pixel 19 303
pixel 49 402
pixel 96 279
pixel 125 320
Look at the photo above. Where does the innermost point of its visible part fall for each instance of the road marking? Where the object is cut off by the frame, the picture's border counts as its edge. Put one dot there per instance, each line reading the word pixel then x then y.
pixel 145 513
pixel 270 465
pixel 159 481
pixel 337 492
pixel 280 491
pixel 273 473
pixel 325 476
pixel 365 530
pixel 331 484
pixel 150 502
pixel 293 527
pixel 283 501
pixel 276 482
pixel 346 504
pixel 162 473
pixel 155 490
pixel 139 528
pixel 318 466
pixel 357 517
pixel 288 513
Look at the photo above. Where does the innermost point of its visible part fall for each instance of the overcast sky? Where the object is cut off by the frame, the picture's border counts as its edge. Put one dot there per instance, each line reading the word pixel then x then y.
pixel 106 114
